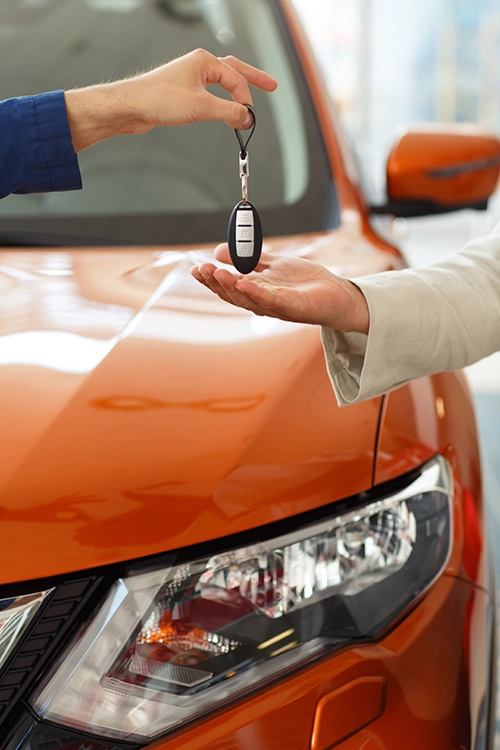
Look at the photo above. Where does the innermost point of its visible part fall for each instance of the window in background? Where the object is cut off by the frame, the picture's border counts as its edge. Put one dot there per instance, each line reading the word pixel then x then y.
pixel 392 62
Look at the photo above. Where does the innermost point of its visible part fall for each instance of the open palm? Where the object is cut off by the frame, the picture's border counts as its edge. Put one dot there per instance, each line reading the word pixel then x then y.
pixel 289 288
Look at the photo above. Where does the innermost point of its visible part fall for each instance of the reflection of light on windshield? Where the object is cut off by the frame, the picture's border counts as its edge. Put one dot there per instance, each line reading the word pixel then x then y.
pixel 65 352
pixel 117 6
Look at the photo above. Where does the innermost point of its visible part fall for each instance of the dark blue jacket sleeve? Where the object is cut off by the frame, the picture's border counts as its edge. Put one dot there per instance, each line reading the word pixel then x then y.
pixel 36 153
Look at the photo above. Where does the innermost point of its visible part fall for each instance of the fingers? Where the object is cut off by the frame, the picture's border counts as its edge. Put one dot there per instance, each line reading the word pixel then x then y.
pixel 223 284
pixel 205 275
pixel 255 77
pixel 195 273
pixel 228 78
pixel 234 114
pixel 227 286
pixel 261 299
pixel 251 292
pixel 234 76
pixel 222 254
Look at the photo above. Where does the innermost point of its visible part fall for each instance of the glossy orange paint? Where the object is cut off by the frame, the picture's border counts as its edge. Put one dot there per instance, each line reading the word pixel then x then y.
pixel 344 711
pixel 159 415
pixel 436 415
pixel 449 164
pixel 406 439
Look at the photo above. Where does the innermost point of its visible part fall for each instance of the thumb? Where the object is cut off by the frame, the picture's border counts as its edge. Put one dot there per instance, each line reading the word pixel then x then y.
pixel 222 253
pixel 266 260
pixel 236 115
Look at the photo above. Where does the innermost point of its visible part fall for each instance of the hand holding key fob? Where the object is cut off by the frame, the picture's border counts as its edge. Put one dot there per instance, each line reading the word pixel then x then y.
pixel 244 232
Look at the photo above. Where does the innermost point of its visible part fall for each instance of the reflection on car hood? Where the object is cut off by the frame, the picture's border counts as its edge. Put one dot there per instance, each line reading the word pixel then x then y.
pixel 140 413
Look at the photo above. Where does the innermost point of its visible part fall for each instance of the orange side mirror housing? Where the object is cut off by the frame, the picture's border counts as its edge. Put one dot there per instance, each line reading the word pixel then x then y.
pixel 440 168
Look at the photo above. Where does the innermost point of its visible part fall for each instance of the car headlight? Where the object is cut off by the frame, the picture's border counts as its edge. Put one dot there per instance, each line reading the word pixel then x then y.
pixel 173 643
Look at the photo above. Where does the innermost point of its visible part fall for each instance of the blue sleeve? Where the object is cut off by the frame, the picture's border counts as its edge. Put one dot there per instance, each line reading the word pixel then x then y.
pixel 36 153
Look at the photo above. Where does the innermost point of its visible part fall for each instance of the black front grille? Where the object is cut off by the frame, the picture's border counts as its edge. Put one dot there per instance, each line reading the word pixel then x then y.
pixel 57 618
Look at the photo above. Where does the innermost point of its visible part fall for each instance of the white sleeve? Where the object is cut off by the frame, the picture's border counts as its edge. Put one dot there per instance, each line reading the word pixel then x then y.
pixel 422 321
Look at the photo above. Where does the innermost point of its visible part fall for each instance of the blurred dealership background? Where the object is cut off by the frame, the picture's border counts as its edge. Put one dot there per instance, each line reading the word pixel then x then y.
pixel 388 63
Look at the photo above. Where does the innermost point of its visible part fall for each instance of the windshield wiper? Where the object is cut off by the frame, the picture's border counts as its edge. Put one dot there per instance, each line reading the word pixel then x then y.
pixel 25 239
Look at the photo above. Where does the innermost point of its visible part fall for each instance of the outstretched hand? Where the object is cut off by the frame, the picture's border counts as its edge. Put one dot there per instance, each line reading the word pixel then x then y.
pixel 172 94
pixel 289 288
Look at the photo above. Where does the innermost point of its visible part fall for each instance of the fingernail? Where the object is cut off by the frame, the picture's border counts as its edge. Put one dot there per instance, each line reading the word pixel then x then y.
pixel 248 121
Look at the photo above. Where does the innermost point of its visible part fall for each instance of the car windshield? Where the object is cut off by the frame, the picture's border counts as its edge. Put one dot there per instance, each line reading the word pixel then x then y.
pixel 171 185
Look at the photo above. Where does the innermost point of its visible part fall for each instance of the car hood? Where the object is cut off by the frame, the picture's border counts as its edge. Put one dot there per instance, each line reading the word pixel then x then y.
pixel 141 414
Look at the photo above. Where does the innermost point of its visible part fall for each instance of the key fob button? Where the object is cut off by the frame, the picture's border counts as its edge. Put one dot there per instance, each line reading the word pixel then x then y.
pixel 244 217
pixel 244 234
pixel 244 249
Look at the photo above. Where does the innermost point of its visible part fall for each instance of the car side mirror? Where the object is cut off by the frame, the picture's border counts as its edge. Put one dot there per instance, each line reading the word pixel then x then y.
pixel 436 169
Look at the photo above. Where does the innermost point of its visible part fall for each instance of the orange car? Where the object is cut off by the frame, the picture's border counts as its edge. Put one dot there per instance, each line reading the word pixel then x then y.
pixel 199 549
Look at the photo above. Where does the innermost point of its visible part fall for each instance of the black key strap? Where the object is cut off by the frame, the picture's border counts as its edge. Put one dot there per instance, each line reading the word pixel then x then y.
pixel 241 141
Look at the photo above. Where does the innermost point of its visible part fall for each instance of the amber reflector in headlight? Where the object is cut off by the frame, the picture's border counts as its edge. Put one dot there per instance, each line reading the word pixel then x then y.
pixel 172 644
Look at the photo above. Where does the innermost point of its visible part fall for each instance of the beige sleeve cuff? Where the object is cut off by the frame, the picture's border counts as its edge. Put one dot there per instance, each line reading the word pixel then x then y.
pixel 345 359
pixel 422 321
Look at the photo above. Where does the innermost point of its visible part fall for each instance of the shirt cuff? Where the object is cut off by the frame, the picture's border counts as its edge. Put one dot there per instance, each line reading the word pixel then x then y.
pixel 345 357
pixel 364 366
pixel 61 161
pixel 36 151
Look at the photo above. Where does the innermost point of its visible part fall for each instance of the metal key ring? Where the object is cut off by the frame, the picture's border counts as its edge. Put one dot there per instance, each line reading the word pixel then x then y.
pixel 244 145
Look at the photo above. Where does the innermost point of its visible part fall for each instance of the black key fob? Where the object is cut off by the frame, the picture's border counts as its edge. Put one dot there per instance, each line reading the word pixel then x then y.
pixel 244 237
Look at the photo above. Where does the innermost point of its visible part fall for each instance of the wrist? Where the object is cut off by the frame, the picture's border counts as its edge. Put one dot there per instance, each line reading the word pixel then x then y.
pixel 346 309
pixel 359 315
pixel 98 112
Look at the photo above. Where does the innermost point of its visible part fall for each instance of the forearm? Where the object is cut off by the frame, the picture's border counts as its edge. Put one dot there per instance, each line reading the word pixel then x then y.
pixel 172 94
pixel 99 112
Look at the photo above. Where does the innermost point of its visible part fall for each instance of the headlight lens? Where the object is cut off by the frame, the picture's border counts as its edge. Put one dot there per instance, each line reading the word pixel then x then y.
pixel 172 644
